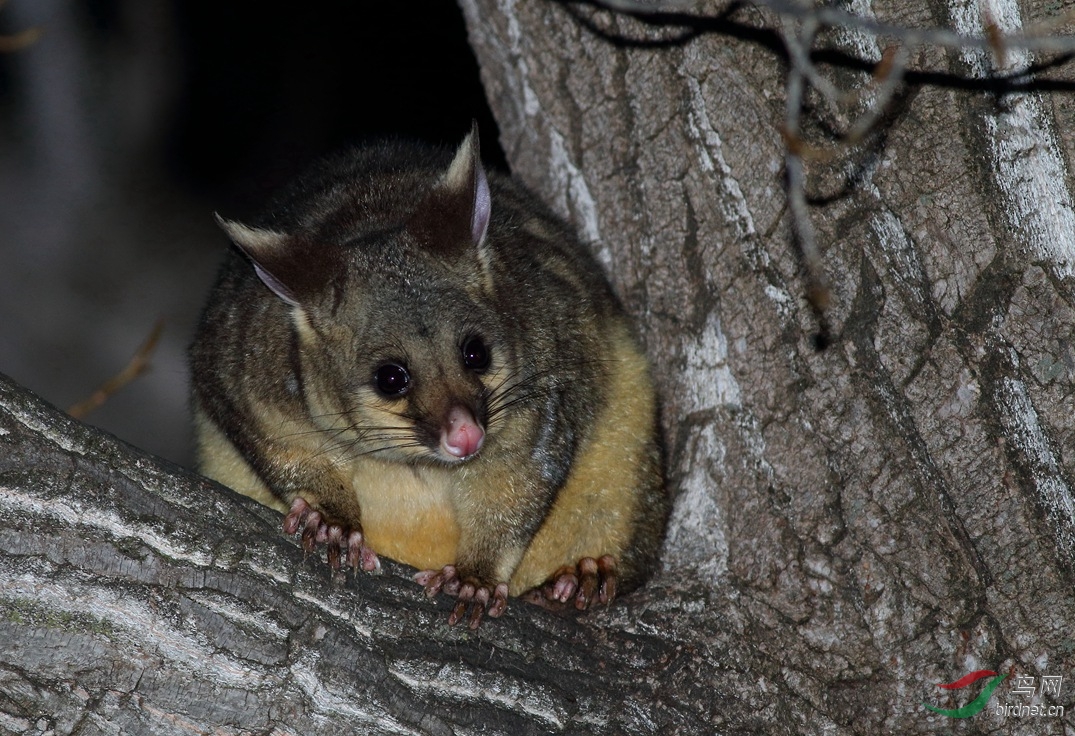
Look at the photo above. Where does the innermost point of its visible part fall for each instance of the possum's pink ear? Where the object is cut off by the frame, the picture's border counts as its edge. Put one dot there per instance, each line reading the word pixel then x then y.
pixel 454 216
pixel 467 178
pixel 298 270
pixel 264 248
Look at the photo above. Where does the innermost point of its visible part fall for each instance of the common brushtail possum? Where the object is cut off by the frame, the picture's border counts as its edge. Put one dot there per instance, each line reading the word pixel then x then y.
pixel 411 358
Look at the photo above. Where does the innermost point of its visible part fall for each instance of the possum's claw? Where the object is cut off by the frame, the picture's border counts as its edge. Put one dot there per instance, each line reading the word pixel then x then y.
pixel 342 543
pixel 434 581
pixel 589 582
pixel 470 595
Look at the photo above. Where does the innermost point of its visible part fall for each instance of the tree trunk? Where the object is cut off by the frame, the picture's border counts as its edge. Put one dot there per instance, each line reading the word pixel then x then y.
pixel 854 525
pixel 895 510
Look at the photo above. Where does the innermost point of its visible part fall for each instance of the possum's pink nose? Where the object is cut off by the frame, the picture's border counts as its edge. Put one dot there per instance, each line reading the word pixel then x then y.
pixel 462 435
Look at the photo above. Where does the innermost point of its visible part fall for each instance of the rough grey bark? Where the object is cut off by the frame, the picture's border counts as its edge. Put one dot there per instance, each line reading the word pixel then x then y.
pixel 853 526
pixel 136 597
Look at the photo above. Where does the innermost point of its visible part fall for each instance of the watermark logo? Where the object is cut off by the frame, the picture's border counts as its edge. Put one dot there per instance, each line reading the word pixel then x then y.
pixel 978 704
pixel 1029 697
pixel 1023 687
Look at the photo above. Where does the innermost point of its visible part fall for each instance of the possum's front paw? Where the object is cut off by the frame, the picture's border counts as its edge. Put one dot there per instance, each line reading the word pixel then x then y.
pixel 589 582
pixel 472 594
pixel 343 542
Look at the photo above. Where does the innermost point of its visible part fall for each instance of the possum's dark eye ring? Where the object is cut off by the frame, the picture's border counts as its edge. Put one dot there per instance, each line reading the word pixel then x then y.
pixel 392 380
pixel 475 354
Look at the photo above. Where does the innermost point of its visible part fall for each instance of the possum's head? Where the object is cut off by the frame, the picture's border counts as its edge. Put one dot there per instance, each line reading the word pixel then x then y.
pixel 401 352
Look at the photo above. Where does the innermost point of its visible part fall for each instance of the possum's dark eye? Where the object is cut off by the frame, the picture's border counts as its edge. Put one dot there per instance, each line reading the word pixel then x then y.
pixel 392 379
pixel 475 354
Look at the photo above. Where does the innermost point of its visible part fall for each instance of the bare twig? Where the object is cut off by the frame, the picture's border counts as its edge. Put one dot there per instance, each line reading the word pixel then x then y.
pixel 1039 37
pixel 887 75
pixel 20 40
pixel 137 365
pixel 647 6
pixel 798 37
pixel 801 21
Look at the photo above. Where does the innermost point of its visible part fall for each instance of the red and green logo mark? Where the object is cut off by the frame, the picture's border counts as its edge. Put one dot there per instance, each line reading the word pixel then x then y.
pixel 975 706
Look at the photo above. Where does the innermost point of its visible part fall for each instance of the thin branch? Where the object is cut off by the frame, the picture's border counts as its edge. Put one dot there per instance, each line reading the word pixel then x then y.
pixel 18 41
pixel 888 74
pixel 798 37
pixel 801 21
pixel 1038 37
pixel 137 365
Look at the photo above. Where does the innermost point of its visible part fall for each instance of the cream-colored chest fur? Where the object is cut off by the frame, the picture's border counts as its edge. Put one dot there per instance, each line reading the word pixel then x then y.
pixel 407 512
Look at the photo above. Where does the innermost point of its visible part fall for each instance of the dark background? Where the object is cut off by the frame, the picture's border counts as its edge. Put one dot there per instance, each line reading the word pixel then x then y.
pixel 129 122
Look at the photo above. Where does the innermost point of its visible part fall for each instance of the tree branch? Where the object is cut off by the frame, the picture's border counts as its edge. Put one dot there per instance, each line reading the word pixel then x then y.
pixel 134 592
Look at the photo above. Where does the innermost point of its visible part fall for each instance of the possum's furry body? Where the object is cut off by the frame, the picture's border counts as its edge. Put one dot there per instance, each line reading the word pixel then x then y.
pixel 415 360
